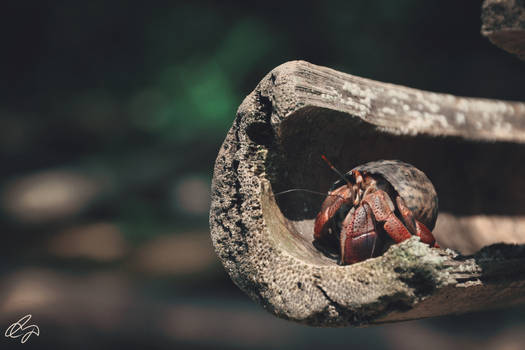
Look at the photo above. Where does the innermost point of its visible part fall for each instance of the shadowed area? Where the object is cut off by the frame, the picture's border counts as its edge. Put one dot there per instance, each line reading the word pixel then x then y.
pixel 474 180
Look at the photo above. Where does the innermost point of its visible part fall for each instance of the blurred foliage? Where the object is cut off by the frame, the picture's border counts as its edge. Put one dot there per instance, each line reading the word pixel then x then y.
pixel 134 98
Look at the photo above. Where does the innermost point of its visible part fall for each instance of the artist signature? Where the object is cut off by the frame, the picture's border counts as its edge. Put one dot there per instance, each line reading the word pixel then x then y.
pixel 19 329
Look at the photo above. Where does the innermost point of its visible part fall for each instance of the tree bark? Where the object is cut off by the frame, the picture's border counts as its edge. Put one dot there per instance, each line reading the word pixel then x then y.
pixel 472 150
pixel 504 24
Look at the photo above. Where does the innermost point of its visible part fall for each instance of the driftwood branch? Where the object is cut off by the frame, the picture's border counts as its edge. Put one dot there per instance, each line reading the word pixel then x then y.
pixel 472 150
pixel 504 24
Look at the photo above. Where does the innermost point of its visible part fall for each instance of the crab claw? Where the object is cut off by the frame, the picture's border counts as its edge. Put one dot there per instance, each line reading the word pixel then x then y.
pixel 359 237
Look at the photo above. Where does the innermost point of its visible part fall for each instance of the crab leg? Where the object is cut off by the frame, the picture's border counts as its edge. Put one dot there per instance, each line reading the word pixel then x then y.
pixel 417 228
pixel 330 206
pixel 406 215
pixel 383 210
pixel 426 236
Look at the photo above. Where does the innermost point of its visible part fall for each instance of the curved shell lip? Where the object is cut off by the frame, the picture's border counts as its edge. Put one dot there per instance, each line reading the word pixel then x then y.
pixel 410 183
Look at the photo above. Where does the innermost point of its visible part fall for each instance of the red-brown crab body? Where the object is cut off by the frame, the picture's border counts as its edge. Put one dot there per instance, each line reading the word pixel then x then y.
pixel 374 210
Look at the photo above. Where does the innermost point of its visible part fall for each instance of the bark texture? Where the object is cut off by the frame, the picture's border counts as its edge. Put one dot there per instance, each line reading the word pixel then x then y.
pixel 504 24
pixel 471 149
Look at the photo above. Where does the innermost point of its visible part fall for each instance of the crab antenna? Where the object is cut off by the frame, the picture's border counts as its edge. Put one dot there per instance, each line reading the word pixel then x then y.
pixel 337 171
pixel 307 191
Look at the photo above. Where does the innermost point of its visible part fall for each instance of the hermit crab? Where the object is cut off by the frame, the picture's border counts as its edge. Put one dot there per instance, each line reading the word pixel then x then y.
pixel 374 206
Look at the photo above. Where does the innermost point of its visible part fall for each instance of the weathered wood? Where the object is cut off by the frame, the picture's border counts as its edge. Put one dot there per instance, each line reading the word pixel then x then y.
pixel 504 24
pixel 472 150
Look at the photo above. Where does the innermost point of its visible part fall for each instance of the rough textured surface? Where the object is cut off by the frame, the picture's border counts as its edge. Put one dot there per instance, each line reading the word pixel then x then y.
pixel 504 24
pixel 471 149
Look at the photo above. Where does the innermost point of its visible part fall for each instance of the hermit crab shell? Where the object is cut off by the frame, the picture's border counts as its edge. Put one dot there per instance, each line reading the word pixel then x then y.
pixel 410 183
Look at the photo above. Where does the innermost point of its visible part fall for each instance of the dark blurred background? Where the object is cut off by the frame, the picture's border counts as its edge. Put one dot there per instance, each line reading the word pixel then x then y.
pixel 111 116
